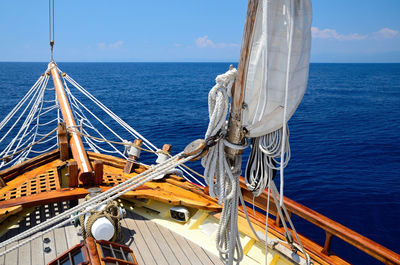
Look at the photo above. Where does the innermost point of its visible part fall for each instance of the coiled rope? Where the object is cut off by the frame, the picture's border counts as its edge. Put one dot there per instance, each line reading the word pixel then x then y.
pixel 265 159
pixel 218 174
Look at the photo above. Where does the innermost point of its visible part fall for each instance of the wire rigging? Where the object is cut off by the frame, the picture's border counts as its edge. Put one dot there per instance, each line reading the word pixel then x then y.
pixel 51 26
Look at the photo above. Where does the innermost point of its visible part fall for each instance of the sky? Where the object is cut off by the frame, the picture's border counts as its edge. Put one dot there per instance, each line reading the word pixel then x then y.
pixel 186 30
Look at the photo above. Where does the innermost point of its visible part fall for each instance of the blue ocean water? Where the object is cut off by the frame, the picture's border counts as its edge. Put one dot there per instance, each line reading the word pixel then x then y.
pixel 344 136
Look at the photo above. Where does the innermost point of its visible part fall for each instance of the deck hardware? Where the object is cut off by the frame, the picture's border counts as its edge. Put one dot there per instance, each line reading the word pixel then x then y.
pixel 46 240
pixel 47 250
pixel 134 153
pixel 179 213
pixel 198 146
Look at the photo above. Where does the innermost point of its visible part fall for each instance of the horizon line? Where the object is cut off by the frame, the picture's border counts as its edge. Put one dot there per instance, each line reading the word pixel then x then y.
pixel 233 62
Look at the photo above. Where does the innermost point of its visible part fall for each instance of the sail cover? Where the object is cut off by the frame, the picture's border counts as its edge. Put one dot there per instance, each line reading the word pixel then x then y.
pixel 278 64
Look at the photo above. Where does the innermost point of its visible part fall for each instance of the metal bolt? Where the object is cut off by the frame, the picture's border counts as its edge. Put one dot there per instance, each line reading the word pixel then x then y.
pixel 47 249
pixel 46 240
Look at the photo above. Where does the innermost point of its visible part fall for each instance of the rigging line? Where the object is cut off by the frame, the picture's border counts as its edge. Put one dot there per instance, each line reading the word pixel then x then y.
pixel 45 150
pixel 23 112
pixel 47 123
pixel 48 140
pixel 98 119
pixel 51 26
pixel 290 40
pixel 141 148
pixel 8 147
pixel 29 119
pixel 276 196
pixel 49 107
pixel 13 161
pixel 147 143
pixel 95 201
pixel 31 115
pixel 122 123
pixel 100 148
pixel 74 100
pixel 36 96
pixel 48 110
pixel 20 103
pixel 19 151
pixel 91 147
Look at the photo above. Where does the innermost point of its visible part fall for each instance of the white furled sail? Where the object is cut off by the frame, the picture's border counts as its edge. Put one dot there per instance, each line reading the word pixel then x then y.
pixel 275 81
pixel 278 65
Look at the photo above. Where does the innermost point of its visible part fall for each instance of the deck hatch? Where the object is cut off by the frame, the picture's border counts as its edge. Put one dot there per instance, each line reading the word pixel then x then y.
pixel 44 182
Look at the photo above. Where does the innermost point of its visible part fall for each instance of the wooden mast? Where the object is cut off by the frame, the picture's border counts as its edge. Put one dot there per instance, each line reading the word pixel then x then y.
pixel 235 130
pixel 78 151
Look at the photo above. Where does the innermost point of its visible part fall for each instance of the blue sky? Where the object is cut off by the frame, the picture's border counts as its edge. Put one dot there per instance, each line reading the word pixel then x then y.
pixel 187 30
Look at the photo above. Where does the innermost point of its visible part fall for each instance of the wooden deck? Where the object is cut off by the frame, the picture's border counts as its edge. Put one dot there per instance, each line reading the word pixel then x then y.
pixel 151 243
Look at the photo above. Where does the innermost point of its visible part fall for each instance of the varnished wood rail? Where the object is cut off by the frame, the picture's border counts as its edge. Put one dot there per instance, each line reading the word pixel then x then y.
pixel 330 227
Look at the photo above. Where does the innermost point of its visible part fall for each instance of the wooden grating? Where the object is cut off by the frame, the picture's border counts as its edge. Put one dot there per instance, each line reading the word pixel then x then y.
pixel 112 179
pixel 45 182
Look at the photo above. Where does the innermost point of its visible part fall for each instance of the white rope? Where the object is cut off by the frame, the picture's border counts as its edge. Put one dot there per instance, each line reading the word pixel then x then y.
pixel 94 202
pixel 265 158
pixel 281 206
pixel 123 124
pixel 225 185
pixel 290 38
pixel 36 92
pixel 28 120
pixel 48 140
pixel 48 122
pixel 76 103
pixel 54 146
pixel 147 143
pixel 21 102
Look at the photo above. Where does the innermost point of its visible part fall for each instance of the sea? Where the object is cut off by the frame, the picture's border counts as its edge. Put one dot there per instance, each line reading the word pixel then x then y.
pixel 344 137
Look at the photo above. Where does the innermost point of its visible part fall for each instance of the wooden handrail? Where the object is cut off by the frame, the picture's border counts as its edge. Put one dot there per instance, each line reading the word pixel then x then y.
pixel 331 227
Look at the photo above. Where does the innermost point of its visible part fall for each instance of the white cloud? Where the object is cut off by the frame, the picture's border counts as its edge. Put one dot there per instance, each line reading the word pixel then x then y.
pixel 115 45
pixel 102 46
pixel 203 42
pixel 332 34
pixel 385 33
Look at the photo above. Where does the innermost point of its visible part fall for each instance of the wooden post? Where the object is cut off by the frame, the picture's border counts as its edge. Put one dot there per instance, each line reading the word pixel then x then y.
pixel 92 251
pixel 235 130
pixel 98 172
pixel 129 163
pixel 278 220
pixel 167 148
pixel 78 152
pixel 63 141
pixel 2 183
pixel 73 174
pixel 327 245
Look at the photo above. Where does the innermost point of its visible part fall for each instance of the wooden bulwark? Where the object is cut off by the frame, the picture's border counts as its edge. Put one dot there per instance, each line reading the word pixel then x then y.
pixel 331 228
pixel 17 170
